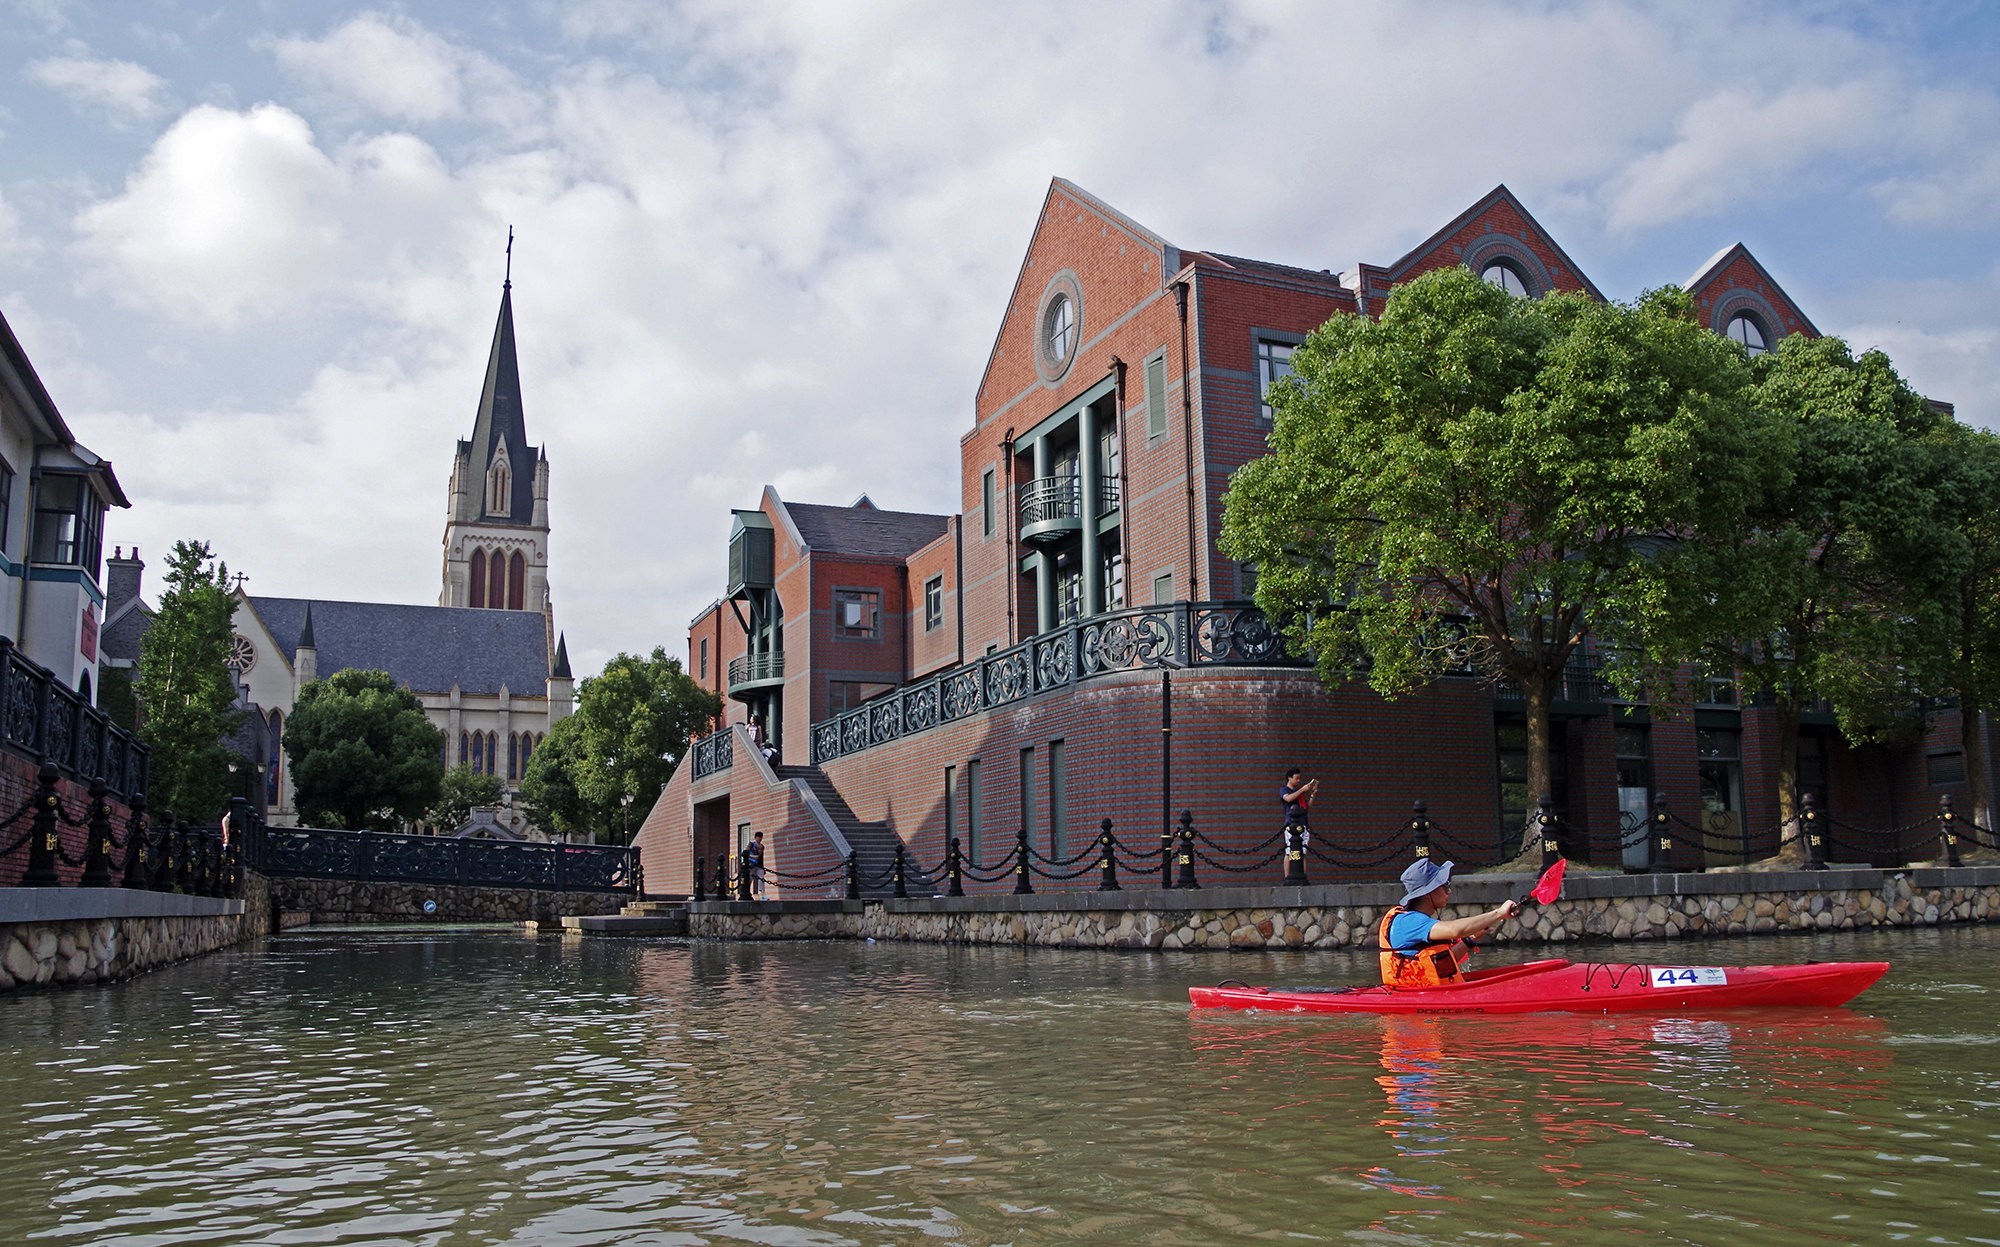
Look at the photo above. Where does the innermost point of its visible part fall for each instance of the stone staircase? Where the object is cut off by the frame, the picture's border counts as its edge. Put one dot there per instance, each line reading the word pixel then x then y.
pixel 874 844
pixel 665 917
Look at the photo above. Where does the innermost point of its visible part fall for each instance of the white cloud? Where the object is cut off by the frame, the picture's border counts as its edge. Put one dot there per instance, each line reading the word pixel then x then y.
pixel 772 242
pixel 237 214
pixel 392 66
pixel 127 93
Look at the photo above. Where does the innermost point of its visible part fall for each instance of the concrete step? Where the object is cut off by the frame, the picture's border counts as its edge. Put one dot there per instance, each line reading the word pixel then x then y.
pixel 675 923
pixel 646 909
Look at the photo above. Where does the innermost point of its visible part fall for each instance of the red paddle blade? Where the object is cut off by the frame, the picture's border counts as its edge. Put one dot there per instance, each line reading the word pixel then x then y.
pixel 1551 884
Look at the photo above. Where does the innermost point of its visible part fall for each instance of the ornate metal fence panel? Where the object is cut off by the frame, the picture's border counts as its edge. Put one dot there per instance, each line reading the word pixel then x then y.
pixel 390 858
pixel 1188 633
pixel 42 718
pixel 714 753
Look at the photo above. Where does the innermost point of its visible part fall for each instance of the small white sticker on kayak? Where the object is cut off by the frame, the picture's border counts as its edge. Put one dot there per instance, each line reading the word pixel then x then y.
pixel 1689 976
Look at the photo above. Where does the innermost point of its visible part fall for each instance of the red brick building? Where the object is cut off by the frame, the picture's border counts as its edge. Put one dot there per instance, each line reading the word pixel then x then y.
pixel 917 677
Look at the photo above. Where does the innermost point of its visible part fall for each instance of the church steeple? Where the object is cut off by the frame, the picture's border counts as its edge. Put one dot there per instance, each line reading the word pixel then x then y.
pixel 496 531
pixel 498 453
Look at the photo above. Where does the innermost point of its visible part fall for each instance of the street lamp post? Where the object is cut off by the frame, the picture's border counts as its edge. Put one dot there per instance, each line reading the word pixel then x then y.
pixel 626 801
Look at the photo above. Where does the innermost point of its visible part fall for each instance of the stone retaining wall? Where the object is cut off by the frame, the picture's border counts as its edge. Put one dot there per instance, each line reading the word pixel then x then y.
pixel 1610 907
pixel 352 900
pixel 71 936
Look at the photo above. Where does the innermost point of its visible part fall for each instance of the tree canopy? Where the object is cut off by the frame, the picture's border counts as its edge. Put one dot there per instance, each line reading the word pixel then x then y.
pixel 631 728
pixel 460 791
pixel 362 752
pixel 1479 481
pixel 186 688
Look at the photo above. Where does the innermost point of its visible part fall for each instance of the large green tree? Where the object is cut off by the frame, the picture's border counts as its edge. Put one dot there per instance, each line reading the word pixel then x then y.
pixel 631 728
pixel 362 752
pixel 1834 586
pixel 1973 626
pixel 461 790
pixel 186 687
pixel 1479 479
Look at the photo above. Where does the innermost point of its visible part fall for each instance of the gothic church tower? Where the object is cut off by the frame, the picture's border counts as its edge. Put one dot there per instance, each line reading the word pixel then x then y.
pixel 496 530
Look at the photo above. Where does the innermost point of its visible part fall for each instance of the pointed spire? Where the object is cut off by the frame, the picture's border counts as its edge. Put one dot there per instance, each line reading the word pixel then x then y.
pixel 500 421
pixel 561 669
pixel 306 633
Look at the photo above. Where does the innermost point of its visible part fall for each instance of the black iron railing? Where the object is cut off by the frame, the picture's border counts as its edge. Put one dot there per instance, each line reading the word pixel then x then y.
pixel 389 857
pixel 714 753
pixel 756 668
pixel 43 719
pixel 1190 634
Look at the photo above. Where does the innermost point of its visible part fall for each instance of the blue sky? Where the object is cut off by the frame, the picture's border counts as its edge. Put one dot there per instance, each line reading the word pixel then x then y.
pixel 255 249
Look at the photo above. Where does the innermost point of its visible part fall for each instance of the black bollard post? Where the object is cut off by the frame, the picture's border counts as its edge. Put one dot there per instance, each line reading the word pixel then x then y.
pixel 1167 858
pixel 1187 879
pixel 1295 856
pixel 700 884
pixel 1022 887
pixel 954 869
pixel 1107 860
pixel 902 889
pixel 723 889
pixel 1420 828
pixel 1660 839
pixel 184 863
pixel 1948 829
pixel 743 876
pixel 45 836
pixel 1545 822
pixel 137 874
pixel 853 876
pixel 1809 818
pixel 97 854
pixel 162 849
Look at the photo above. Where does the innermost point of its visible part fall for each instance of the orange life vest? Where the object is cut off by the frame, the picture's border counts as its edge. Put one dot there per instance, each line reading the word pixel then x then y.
pixel 1436 963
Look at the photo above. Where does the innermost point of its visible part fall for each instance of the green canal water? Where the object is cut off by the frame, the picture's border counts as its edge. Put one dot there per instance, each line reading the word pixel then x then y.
pixel 483 1087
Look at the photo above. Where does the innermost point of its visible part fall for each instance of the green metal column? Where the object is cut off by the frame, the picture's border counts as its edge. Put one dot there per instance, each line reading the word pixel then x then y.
pixel 1045 572
pixel 1092 484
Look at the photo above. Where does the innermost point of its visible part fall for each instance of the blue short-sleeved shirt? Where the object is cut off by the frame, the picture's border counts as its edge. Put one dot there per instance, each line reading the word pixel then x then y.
pixel 1410 931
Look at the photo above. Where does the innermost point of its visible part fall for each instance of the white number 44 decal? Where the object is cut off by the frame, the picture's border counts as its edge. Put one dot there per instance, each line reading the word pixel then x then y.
pixel 1689 976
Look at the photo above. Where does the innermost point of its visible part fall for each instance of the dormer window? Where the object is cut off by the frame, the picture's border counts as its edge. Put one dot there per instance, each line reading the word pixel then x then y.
pixel 1504 274
pixel 499 483
pixel 1746 331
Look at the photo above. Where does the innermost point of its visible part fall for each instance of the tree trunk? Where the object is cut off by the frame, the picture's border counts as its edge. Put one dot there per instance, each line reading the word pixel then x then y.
pixel 1537 692
pixel 1791 833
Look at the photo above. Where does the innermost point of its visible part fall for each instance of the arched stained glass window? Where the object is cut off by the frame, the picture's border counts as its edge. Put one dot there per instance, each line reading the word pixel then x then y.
pixel 478 597
pixel 517 581
pixel 496 582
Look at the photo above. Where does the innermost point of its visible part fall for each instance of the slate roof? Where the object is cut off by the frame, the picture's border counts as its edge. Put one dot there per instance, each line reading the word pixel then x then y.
pixel 428 648
pixel 864 530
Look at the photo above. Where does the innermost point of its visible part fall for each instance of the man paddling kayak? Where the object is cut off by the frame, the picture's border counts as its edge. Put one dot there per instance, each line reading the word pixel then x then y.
pixel 1420 950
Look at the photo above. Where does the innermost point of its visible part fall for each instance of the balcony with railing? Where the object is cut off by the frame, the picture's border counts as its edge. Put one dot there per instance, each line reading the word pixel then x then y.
pixel 756 670
pixel 1052 508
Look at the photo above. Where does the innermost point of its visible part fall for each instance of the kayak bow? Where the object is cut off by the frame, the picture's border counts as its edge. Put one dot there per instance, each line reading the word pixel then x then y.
pixel 1559 986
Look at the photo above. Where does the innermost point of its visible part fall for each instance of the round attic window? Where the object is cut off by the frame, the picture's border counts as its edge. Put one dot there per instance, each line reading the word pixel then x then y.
pixel 242 654
pixel 1059 329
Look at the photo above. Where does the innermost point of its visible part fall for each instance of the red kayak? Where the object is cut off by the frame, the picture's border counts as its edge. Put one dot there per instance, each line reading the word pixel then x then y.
pixel 1558 986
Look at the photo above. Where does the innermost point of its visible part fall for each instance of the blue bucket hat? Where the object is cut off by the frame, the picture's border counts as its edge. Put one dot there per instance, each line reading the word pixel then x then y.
pixel 1422 877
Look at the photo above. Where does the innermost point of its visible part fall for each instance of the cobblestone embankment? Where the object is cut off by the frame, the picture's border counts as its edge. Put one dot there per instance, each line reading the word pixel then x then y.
pixel 72 936
pixel 1649 907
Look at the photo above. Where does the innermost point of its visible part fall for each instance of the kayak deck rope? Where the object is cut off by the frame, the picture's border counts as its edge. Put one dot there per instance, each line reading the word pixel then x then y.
pixel 1617 974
